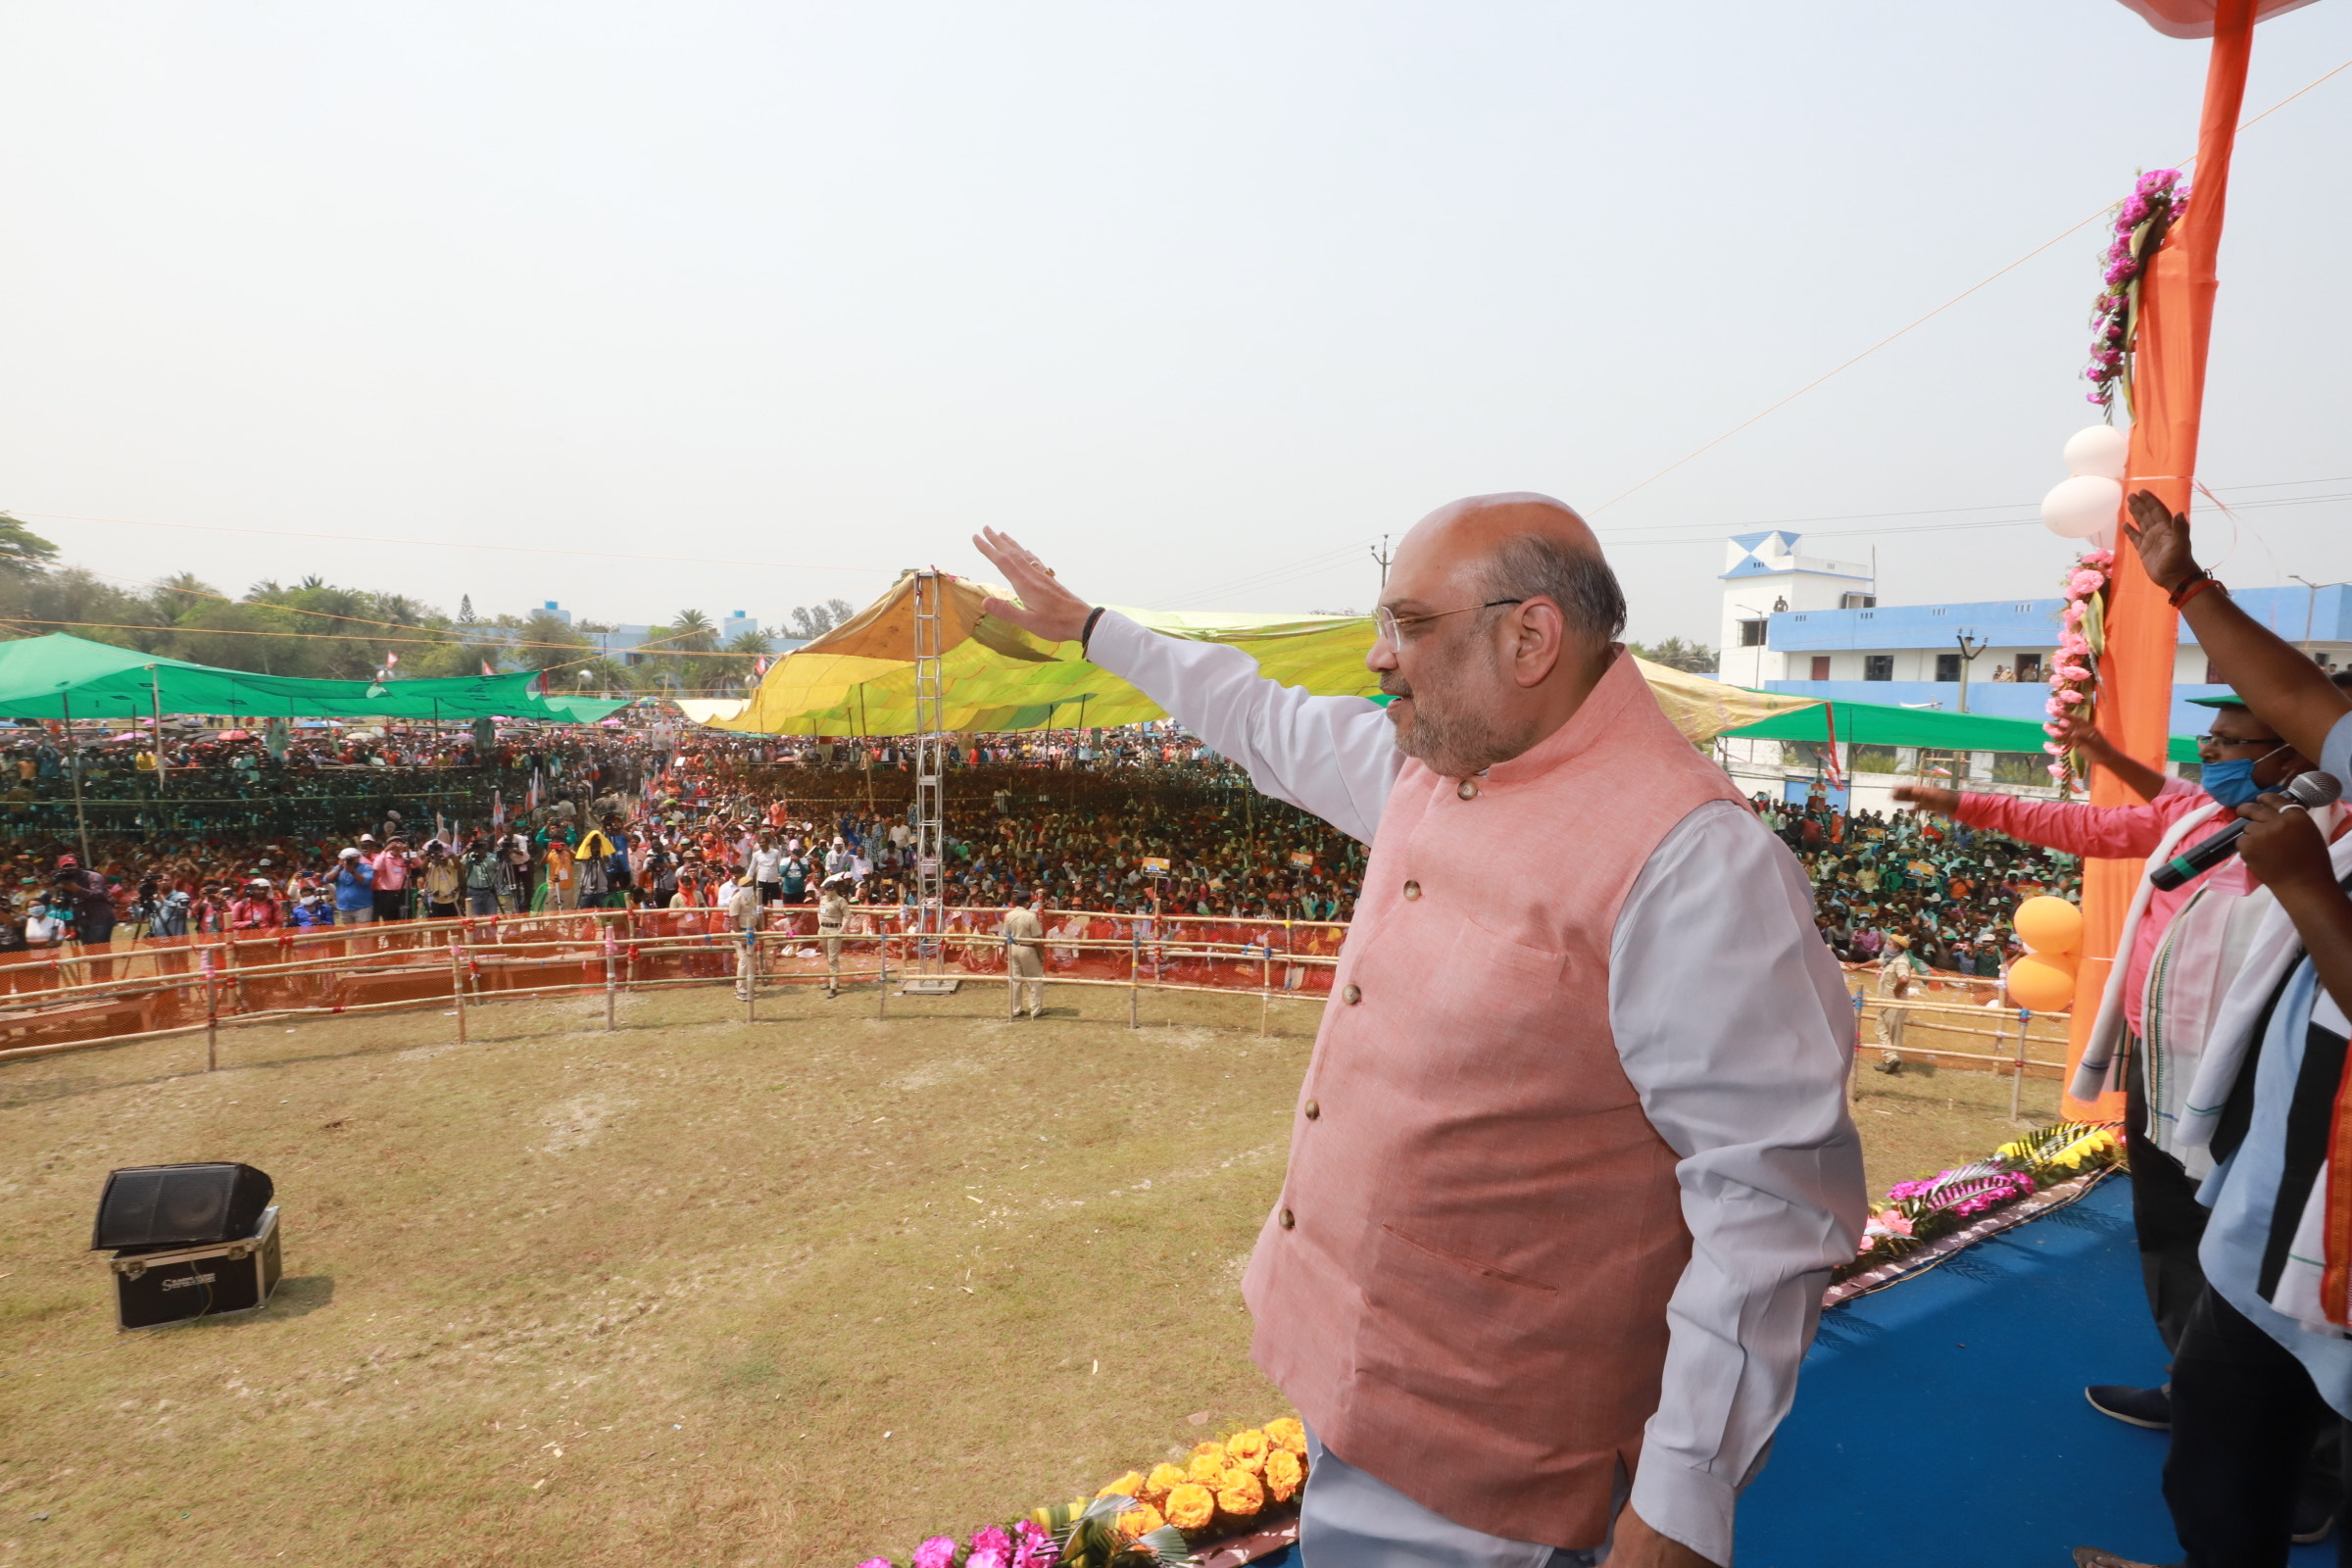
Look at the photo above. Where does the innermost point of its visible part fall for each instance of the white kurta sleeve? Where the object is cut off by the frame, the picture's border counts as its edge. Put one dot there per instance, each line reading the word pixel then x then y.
pixel 1743 1072
pixel 1334 756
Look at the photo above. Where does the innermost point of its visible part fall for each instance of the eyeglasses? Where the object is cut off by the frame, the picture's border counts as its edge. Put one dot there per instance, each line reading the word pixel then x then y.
pixel 2210 742
pixel 1390 626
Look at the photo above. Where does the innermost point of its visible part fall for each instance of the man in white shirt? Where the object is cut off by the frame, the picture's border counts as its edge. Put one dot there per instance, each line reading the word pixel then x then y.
pixel 767 868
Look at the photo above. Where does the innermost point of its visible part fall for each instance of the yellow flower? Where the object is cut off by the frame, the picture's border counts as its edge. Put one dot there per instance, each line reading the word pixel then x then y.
pixel 1164 1478
pixel 1211 1449
pixel 1207 1469
pixel 1241 1496
pixel 1139 1522
pixel 1192 1506
pixel 1287 1433
pixel 1130 1485
pixel 1247 1450
pixel 1286 1473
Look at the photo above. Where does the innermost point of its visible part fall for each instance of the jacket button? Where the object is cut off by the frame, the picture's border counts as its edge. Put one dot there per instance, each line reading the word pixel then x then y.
pixel 1412 890
pixel 1352 996
pixel 1313 1110
pixel 1283 1219
pixel 1467 789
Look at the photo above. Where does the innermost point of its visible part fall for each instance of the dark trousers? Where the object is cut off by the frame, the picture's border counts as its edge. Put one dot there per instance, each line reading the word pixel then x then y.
pixel 2245 1417
pixel 2165 1213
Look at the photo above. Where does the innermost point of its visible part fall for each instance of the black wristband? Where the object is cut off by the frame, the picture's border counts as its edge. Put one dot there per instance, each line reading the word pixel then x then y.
pixel 1087 633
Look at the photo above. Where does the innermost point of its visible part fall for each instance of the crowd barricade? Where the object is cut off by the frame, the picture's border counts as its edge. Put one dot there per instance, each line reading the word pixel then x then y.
pixel 72 997
pixel 1960 1004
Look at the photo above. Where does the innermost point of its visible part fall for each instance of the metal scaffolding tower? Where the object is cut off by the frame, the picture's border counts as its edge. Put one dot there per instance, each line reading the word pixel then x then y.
pixel 927 970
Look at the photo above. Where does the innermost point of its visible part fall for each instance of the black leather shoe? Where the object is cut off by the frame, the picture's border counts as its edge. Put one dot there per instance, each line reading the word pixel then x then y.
pixel 2151 1408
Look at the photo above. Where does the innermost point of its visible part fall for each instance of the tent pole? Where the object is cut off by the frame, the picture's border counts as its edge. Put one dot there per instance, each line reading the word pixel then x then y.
pixel 73 757
pixel 155 684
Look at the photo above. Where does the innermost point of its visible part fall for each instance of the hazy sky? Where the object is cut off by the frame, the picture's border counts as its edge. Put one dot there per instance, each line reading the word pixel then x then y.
pixel 1197 299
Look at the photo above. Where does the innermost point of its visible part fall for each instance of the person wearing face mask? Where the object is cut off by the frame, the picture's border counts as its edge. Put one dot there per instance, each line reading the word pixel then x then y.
pixel 2151 1025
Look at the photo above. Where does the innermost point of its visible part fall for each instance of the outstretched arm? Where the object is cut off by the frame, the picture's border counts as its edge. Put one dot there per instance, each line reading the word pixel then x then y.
pixel 1334 756
pixel 2139 778
pixel 2292 693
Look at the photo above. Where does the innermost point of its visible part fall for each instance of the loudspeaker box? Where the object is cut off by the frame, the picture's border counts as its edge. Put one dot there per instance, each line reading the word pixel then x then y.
pixel 185 1282
pixel 148 1206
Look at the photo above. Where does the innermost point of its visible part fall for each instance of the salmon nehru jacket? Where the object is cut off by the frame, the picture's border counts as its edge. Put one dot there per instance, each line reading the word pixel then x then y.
pixel 1572 1159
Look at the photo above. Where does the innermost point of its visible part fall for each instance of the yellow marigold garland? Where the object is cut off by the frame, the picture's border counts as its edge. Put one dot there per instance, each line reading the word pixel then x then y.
pixel 1247 1450
pixel 1240 1497
pixel 1287 1433
pixel 1207 1469
pixel 1130 1485
pixel 1192 1506
pixel 1164 1478
pixel 1286 1473
pixel 1140 1521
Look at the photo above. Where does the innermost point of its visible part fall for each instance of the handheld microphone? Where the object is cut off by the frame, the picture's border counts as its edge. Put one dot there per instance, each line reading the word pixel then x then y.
pixel 2304 789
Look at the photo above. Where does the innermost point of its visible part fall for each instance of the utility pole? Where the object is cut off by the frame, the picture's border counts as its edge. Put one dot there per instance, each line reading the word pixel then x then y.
pixel 2311 600
pixel 1381 554
pixel 1967 656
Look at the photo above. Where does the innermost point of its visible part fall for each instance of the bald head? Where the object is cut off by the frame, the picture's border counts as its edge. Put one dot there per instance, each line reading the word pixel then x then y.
pixel 1500 617
pixel 1516 545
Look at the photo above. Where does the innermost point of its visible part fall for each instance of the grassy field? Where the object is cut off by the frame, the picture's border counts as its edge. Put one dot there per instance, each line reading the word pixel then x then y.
pixel 694 1291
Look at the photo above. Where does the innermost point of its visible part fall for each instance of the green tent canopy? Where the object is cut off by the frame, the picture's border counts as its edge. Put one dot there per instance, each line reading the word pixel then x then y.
pixel 59 676
pixel 1876 724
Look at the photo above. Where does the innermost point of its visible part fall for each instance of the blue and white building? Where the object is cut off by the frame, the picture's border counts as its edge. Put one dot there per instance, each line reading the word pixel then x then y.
pixel 1814 627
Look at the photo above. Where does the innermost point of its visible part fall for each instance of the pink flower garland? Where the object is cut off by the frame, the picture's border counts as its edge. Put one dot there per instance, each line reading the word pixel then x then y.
pixel 2156 203
pixel 2074 672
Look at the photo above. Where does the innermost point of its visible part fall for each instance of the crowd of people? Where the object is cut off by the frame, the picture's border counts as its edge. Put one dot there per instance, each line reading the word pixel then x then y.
pixel 1143 820
pixel 1941 894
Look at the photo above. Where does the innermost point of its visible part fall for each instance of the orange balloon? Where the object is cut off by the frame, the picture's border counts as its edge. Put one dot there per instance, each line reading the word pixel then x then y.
pixel 2038 983
pixel 2045 924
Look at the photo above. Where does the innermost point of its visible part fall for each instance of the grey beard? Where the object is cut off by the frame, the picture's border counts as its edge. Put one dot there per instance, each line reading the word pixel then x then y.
pixel 1456 745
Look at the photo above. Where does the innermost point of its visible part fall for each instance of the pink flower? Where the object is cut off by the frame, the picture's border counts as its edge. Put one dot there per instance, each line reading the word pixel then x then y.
pixel 2082 584
pixel 1033 1547
pixel 2070 697
pixel 2074 612
pixel 2099 557
pixel 2054 708
pixel 2074 672
pixel 875 1562
pixel 2074 643
pixel 2057 770
pixel 937 1552
pixel 991 1549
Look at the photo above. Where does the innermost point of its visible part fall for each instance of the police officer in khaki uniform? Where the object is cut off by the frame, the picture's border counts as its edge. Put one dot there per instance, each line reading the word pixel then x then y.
pixel 1024 961
pixel 832 915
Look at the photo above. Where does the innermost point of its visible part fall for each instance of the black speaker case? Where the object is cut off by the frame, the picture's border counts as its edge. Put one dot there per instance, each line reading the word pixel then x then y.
pixel 191 1282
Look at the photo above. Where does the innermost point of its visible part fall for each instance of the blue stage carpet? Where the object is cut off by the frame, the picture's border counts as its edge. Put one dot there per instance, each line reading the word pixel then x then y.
pixel 1941 1424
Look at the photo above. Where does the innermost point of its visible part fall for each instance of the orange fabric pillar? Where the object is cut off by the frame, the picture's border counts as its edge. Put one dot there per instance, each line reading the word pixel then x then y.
pixel 2168 395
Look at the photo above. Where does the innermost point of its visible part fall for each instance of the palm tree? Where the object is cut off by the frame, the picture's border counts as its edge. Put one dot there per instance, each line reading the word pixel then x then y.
pixel 690 632
pixel 182 592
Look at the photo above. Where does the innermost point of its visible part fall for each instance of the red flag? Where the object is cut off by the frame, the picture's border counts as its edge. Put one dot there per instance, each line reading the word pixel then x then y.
pixel 758 667
pixel 486 669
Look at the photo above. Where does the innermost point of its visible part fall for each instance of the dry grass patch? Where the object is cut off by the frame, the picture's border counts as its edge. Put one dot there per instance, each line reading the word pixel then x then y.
pixel 691 1292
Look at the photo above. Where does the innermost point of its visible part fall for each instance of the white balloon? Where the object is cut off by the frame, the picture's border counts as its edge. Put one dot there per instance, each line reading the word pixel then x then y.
pixel 2102 451
pixel 2079 508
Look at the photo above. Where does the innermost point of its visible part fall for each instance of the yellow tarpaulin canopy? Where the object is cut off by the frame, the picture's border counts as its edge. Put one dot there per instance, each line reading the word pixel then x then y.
pixel 858 679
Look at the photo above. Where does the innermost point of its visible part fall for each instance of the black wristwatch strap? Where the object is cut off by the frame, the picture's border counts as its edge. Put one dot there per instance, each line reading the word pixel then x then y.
pixel 1088 635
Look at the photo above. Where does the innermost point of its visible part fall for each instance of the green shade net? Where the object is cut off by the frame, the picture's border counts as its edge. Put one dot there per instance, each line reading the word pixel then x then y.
pixel 1874 724
pixel 59 677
